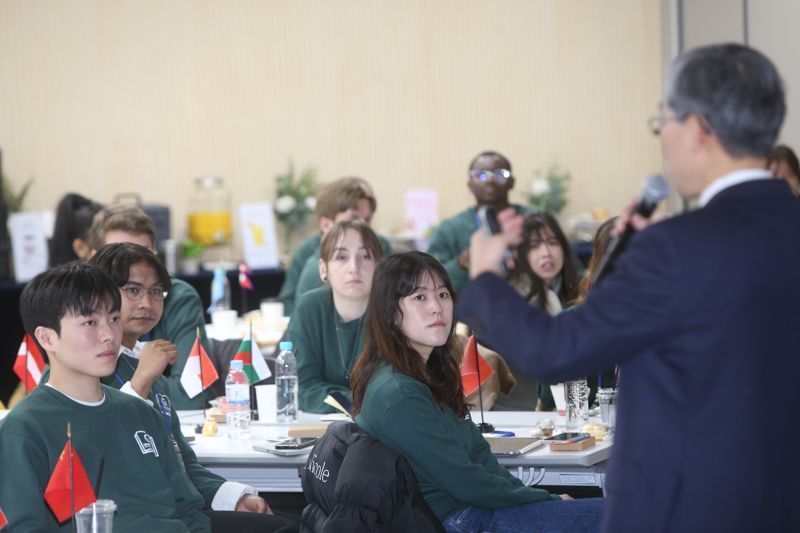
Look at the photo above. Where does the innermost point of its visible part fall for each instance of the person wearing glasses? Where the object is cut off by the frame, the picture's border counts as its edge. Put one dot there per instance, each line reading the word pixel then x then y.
pixel 490 180
pixel 183 309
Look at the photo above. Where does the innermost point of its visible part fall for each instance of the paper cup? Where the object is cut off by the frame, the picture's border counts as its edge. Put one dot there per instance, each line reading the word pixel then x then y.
pixel 267 399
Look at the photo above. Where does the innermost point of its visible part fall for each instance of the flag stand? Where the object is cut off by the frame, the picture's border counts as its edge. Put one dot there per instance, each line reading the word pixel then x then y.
pixel 484 426
pixel 199 427
pixel 71 478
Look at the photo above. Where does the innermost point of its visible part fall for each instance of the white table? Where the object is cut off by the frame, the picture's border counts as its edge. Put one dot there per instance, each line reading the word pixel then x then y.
pixel 236 460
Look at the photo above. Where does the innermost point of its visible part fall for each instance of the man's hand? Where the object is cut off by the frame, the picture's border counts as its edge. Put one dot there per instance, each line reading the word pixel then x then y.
pixel 155 357
pixel 486 251
pixel 635 220
pixel 565 497
pixel 250 503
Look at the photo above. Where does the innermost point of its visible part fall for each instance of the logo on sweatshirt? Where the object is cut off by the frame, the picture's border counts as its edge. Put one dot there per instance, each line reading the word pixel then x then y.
pixel 318 470
pixel 146 443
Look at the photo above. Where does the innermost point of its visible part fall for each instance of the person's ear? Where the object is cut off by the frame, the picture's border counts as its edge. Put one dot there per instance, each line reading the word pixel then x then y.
pixel 46 337
pixel 323 271
pixel 325 224
pixel 82 249
pixel 510 183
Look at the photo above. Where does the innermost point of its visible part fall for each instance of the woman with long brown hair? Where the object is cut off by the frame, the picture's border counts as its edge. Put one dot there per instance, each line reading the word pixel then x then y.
pixel 407 393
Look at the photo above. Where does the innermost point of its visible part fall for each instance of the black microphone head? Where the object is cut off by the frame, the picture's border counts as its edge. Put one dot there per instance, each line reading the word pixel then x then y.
pixel 655 189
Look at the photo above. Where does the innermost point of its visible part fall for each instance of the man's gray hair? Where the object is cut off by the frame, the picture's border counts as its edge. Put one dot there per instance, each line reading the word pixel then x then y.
pixel 736 90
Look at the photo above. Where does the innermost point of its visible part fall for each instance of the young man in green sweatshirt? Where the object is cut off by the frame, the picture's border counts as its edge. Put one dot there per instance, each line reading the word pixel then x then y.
pixel 490 180
pixel 73 313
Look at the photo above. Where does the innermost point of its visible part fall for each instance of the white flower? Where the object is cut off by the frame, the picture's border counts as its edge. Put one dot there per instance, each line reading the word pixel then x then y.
pixel 540 186
pixel 310 202
pixel 285 204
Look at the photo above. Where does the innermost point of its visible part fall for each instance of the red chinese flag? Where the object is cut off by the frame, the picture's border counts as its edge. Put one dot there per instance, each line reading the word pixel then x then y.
pixel 57 493
pixel 469 367
pixel 3 520
pixel 29 364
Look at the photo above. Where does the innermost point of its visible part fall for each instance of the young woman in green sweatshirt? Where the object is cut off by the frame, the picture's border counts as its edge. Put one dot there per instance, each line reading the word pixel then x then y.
pixel 327 327
pixel 407 393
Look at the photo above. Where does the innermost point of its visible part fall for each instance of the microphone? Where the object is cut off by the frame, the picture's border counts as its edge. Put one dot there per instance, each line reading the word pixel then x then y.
pixel 654 189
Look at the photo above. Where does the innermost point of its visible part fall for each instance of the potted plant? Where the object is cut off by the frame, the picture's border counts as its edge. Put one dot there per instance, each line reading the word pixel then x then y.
pixel 191 251
pixel 295 199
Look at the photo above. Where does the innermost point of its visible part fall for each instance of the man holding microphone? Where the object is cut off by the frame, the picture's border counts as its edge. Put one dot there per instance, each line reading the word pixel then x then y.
pixel 701 313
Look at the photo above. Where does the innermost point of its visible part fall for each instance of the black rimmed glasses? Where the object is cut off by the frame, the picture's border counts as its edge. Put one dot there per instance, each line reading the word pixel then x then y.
pixel 500 175
pixel 135 293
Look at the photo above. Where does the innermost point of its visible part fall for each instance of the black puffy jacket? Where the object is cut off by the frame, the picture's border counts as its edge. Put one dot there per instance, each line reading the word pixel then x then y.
pixel 354 482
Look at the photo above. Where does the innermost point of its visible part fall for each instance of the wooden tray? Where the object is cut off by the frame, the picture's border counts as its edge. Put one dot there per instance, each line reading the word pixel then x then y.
pixel 572 446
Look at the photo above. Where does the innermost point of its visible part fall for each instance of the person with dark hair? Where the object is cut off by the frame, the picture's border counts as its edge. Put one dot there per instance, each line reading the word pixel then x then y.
pixel 545 267
pixel 327 327
pixel 783 163
pixel 490 180
pixel 72 311
pixel 183 314
pixel 407 393
pixel 144 283
pixel 348 198
pixel 699 313
pixel 70 240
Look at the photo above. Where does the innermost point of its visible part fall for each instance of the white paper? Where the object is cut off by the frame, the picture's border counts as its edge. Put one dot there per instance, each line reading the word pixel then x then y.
pixel 259 239
pixel 28 244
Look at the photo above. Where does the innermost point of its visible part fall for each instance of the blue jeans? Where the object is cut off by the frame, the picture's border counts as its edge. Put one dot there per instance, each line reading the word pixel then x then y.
pixel 573 516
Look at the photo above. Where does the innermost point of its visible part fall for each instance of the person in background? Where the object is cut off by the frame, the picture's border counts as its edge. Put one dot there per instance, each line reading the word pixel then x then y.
pixel 490 179
pixel 327 327
pixel 72 311
pixel 783 163
pixel 407 393
pixel 349 198
pixel 144 283
pixel 699 313
pixel 183 310
pixel 69 242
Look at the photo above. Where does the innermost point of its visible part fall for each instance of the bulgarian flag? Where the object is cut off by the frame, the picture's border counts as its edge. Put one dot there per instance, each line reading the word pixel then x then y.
pixel 29 364
pixel 254 364
pixel 472 365
pixel 199 372
pixel 69 488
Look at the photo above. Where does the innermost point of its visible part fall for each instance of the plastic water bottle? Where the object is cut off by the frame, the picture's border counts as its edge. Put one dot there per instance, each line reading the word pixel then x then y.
pixel 286 383
pixel 237 392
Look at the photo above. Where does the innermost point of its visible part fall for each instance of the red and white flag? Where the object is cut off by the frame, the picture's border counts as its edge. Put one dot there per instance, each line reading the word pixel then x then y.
pixel 3 519
pixel 69 489
pixel 199 372
pixel 244 277
pixel 29 364
pixel 473 361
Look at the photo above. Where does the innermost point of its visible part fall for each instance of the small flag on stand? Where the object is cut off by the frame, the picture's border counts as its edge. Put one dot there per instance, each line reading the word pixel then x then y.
pixel 199 372
pixel 69 488
pixel 470 365
pixel 254 364
pixel 244 277
pixel 3 519
pixel 29 364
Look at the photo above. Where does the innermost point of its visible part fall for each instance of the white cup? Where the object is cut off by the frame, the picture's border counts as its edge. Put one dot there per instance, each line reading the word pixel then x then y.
pixel 267 400
pixel 271 313
pixel 224 320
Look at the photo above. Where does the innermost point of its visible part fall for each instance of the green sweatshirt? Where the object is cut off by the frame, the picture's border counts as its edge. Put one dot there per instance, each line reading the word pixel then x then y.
pixel 451 459
pixel 206 482
pixel 183 314
pixel 326 349
pixel 141 471
pixel 288 292
pixel 451 238
pixel 309 277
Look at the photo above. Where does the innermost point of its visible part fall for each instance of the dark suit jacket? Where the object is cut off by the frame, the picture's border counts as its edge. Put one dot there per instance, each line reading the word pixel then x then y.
pixel 703 316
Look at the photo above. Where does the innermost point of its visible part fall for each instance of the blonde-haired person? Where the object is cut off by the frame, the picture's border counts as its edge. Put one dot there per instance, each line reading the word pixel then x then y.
pixel 327 326
pixel 349 198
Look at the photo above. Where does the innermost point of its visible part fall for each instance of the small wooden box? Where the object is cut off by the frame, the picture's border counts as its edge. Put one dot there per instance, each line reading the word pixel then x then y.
pixel 308 430
pixel 572 446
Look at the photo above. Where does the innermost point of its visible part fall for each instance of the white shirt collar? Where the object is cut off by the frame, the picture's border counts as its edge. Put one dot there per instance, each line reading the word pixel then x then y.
pixel 135 352
pixel 729 180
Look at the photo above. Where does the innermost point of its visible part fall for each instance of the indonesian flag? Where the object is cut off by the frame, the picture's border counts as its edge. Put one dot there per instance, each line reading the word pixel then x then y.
pixel 3 520
pixel 472 361
pixel 244 277
pixel 254 364
pixel 68 484
pixel 29 364
pixel 199 372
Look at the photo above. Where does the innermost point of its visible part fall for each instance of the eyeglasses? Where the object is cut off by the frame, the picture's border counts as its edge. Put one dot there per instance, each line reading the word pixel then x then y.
pixel 135 294
pixel 501 175
pixel 656 123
